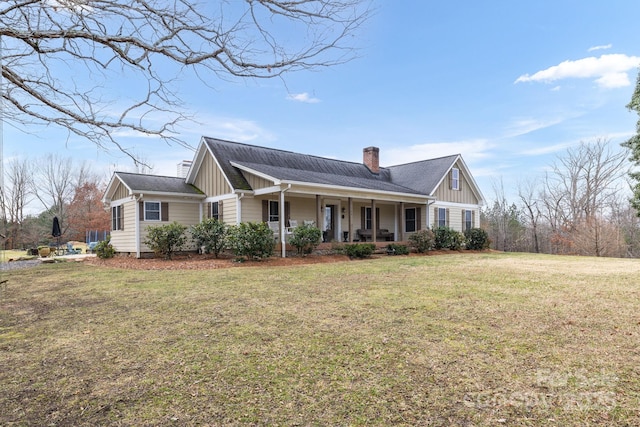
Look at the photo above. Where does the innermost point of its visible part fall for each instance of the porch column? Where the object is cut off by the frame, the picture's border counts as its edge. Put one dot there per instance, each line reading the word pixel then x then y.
pixel 283 243
pixel 374 221
pixel 402 223
pixel 319 219
pixel 427 224
pixel 350 213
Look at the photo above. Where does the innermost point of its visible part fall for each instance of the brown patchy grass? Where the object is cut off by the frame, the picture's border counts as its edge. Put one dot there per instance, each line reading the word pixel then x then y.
pixel 465 339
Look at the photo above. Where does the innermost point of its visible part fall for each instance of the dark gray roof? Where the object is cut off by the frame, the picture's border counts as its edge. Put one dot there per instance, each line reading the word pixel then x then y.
pixel 328 178
pixel 290 166
pixel 412 178
pixel 139 183
pixel 423 176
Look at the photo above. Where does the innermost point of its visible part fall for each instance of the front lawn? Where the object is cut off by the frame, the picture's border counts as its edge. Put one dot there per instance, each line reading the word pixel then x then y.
pixel 464 339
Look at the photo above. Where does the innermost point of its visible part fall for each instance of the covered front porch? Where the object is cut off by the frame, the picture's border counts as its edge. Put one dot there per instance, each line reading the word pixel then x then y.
pixel 345 219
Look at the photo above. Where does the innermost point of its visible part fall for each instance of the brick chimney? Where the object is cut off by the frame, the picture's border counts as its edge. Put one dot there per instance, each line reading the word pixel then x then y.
pixel 371 158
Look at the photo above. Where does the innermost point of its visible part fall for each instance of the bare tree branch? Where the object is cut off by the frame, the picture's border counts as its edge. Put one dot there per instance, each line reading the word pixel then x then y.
pixel 61 59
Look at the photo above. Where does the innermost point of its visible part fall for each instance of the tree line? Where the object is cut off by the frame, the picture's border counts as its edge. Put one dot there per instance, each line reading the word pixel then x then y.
pixel 37 190
pixel 581 205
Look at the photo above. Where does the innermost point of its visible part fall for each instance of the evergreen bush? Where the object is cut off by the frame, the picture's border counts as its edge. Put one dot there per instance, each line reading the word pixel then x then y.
pixel 166 239
pixel 210 234
pixel 104 249
pixel 448 238
pixel 476 239
pixel 305 238
pixel 422 241
pixel 253 240
pixel 360 250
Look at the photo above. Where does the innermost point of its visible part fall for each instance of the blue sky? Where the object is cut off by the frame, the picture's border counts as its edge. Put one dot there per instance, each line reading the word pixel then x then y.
pixel 508 84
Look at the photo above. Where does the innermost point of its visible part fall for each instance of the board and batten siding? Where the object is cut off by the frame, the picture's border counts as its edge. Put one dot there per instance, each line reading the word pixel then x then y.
pixel 257 182
pixel 463 195
pixel 121 192
pixel 210 179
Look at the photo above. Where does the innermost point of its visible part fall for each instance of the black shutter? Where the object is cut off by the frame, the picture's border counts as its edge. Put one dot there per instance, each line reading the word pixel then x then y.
pixel 265 210
pixel 164 211
pixel 141 216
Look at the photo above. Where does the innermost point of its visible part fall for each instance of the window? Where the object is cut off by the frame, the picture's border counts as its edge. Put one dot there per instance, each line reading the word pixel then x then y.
pixel 274 211
pixel 468 220
pixel 441 220
pixel 117 214
pixel 455 179
pixel 367 219
pixel 410 220
pixel 215 211
pixel 152 211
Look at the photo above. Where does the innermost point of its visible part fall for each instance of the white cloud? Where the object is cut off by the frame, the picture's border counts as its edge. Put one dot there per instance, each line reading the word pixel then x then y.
pixel 471 150
pixel 609 71
pixel 547 149
pixel 231 128
pixel 302 97
pixel 523 126
pixel 601 47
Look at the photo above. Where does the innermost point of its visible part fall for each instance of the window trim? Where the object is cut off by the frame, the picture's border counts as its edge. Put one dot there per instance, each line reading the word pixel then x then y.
pixel 144 207
pixel 271 217
pixel 468 219
pixel 442 217
pixel 117 218
pixel 214 210
pixel 455 179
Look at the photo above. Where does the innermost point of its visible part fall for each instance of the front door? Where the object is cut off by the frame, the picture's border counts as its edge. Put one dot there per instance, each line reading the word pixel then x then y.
pixel 329 223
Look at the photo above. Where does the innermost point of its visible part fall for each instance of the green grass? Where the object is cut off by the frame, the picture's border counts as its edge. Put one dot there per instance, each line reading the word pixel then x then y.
pixel 472 339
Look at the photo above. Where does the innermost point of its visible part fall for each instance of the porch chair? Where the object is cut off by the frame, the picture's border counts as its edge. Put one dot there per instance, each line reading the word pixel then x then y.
pixel 275 227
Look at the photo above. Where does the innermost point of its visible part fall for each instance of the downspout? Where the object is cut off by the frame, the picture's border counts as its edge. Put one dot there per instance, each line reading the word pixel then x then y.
pixel 283 242
pixel 238 209
pixel 428 212
pixel 137 222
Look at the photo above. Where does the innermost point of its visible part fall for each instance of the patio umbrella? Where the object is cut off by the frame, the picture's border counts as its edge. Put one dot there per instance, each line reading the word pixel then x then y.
pixel 55 232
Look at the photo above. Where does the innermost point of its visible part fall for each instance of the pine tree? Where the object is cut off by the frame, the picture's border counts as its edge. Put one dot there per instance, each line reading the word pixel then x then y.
pixel 633 144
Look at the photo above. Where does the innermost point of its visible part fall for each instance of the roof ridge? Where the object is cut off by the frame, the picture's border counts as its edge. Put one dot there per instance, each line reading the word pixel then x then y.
pixel 262 147
pixel 147 174
pixel 426 160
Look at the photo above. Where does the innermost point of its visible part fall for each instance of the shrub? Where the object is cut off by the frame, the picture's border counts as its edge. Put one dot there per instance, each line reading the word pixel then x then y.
pixel 397 249
pixel 104 249
pixel 166 239
pixel 253 240
pixel 476 239
pixel 211 234
pixel 305 238
pixel 422 241
pixel 359 250
pixel 448 238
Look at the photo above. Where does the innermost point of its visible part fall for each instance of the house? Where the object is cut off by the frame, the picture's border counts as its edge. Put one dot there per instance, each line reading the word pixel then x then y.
pixel 237 182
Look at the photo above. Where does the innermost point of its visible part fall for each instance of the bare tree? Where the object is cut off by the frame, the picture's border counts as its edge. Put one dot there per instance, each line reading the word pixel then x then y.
pixel 578 191
pixel 54 182
pixel 528 192
pixel 14 198
pixel 63 61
